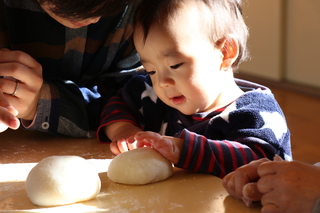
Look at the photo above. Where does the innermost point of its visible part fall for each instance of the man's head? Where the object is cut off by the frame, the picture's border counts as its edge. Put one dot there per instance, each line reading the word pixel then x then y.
pixel 78 13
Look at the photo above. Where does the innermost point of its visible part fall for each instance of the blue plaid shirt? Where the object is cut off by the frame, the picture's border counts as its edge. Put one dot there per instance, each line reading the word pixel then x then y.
pixel 81 67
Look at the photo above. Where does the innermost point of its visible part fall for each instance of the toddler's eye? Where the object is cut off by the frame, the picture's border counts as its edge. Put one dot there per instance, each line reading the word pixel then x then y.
pixel 145 72
pixel 176 66
pixel 150 72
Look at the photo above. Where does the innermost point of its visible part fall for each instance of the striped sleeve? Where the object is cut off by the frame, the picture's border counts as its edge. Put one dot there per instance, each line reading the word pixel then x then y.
pixel 217 157
pixel 114 111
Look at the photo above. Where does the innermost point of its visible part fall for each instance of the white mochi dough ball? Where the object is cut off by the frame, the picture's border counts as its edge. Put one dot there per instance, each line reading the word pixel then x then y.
pixel 59 180
pixel 139 166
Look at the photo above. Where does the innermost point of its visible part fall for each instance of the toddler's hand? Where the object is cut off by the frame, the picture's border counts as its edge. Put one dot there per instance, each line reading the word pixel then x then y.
pixel 168 147
pixel 122 145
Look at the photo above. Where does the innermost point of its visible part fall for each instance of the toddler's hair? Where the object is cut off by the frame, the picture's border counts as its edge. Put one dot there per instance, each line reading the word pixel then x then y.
pixel 220 19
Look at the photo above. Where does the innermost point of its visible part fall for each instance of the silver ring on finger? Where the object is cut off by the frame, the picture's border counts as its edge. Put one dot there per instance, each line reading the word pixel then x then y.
pixel 16 89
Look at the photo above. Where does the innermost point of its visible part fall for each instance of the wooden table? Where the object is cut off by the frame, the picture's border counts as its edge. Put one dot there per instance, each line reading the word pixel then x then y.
pixel 185 191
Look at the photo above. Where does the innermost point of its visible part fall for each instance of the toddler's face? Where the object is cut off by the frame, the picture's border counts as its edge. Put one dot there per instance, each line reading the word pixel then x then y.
pixel 69 22
pixel 187 72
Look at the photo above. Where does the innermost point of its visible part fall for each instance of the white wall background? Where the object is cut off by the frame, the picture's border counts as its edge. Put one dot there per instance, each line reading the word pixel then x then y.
pixel 284 40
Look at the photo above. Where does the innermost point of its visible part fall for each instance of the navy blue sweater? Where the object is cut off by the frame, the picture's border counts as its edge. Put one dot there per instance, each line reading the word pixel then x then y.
pixel 216 142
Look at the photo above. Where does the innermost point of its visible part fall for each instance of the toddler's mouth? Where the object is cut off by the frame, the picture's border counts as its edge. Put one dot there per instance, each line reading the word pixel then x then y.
pixel 178 99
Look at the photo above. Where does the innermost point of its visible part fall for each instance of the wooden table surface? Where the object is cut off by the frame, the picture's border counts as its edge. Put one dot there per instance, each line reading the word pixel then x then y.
pixel 185 191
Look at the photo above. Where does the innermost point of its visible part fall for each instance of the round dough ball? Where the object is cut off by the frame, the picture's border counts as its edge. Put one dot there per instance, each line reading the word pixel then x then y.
pixel 139 166
pixel 59 180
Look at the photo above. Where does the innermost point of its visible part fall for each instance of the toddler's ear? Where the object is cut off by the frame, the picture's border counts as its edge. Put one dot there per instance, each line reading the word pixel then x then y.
pixel 230 51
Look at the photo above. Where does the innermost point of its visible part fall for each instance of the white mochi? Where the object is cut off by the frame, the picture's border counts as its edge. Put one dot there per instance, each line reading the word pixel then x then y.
pixel 139 166
pixel 59 180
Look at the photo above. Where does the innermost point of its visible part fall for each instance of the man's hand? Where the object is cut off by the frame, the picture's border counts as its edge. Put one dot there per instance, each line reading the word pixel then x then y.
pixel 241 183
pixel 21 82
